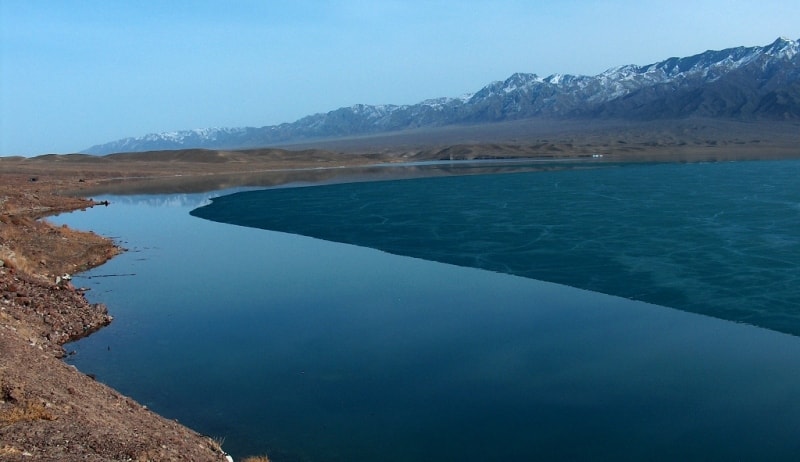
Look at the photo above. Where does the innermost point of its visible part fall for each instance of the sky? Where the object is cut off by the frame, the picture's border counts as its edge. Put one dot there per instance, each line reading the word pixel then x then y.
pixel 78 73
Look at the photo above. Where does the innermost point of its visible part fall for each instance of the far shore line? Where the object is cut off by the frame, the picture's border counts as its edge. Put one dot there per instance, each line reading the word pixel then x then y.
pixel 207 181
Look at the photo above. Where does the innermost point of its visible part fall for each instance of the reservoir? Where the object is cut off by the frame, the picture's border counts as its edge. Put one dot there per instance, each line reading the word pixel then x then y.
pixel 626 313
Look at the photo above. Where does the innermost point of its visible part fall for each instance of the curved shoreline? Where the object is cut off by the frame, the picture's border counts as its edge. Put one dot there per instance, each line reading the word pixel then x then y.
pixel 48 409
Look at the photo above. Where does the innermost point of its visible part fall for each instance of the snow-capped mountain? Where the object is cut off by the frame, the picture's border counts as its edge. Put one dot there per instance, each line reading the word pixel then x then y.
pixel 205 137
pixel 760 82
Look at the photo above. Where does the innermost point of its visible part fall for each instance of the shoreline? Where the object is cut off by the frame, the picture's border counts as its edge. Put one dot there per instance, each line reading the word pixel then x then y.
pixel 50 410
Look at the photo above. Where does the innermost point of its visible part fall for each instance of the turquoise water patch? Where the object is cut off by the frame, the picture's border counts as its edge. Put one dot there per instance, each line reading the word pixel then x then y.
pixel 721 239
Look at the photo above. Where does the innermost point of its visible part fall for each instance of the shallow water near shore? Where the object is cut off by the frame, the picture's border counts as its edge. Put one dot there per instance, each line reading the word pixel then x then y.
pixel 310 350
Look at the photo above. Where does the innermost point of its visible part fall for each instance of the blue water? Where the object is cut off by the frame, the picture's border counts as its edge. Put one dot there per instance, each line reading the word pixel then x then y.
pixel 717 239
pixel 312 350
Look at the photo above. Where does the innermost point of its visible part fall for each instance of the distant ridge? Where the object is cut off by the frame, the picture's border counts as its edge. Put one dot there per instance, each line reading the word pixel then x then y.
pixel 746 83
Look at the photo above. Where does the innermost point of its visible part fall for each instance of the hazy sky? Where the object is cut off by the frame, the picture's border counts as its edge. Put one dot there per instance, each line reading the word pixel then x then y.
pixel 78 73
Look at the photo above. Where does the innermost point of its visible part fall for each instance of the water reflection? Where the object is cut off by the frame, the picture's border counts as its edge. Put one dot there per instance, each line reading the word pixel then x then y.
pixel 210 182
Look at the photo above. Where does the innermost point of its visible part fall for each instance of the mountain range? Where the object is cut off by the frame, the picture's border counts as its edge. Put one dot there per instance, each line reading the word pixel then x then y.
pixel 744 83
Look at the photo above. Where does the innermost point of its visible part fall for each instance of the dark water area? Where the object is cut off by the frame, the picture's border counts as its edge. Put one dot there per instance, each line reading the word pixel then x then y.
pixel 717 239
pixel 308 349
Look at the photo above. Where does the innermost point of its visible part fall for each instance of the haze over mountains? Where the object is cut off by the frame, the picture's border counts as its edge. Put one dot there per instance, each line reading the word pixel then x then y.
pixel 742 83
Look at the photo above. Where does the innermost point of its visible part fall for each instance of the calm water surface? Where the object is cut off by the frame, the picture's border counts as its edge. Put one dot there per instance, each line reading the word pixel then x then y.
pixel 311 350
pixel 717 239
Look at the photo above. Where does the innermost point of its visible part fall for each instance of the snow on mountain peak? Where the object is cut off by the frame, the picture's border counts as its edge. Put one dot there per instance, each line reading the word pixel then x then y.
pixel 554 79
pixel 783 48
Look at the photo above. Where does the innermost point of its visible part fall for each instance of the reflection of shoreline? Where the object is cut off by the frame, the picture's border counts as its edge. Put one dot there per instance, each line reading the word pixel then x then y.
pixel 190 184
pixel 488 161
pixel 173 200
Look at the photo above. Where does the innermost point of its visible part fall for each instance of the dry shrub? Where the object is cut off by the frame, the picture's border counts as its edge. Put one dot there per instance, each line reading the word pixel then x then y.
pixel 27 412
pixel 8 451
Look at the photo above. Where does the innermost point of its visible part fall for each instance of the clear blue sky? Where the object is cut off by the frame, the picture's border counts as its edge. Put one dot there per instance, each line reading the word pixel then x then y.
pixel 78 73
